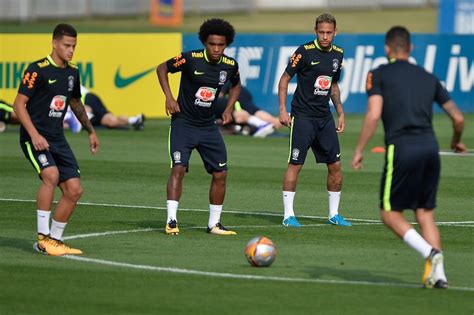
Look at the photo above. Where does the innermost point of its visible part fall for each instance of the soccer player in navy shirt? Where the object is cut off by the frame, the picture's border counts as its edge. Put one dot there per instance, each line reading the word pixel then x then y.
pixel 402 94
pixel 193 123
pixel 47 87
pixel 317 65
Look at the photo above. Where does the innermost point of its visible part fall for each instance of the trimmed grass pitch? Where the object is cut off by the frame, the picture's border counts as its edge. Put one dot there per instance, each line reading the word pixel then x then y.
pixel 130 267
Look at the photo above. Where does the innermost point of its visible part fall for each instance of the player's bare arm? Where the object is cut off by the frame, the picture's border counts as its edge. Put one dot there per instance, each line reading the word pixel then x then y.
pixel 285 118
pixel 374 112
pixel 80 112
pixel 171 104
pixel 458 126
pixel 234 93
pixel 336 100
pixel 37 140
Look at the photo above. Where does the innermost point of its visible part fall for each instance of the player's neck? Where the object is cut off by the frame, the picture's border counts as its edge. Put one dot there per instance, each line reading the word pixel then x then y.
pixel 398 56
pixel 58 62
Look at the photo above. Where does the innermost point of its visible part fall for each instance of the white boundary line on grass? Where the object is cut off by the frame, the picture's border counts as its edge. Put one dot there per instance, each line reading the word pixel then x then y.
pixel 269 214
pixel 228 275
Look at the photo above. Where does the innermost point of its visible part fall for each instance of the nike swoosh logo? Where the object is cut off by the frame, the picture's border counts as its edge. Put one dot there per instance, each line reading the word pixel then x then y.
pixel 222 164
pixel 338 155
pixel 197 72
pixel 52 81
pixel 313 63
pixel 122 82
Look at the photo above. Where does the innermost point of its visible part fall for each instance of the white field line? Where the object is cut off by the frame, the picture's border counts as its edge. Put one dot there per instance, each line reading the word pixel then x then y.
pixel 229 275
pixel 150 229
pixel 269 214
pixel 248 277
pixel 450 153
pixel 218 274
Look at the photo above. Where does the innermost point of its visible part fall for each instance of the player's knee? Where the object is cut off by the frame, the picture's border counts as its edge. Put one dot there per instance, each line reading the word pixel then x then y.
pixel 219 176
pixel 75 192
pixel 50 177
pixel 334 168
pixel 178 171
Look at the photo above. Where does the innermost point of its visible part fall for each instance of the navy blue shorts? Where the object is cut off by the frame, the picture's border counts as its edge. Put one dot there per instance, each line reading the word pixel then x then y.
pixel 319 135
pixel 98 108
pixel 207 140
pixel 410 177
pixel 59 155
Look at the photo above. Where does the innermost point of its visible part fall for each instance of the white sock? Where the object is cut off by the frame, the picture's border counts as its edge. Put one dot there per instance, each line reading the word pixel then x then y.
pixel 172 208
pixel 288 197
pixel 57 229
pixel 132 119
pixel 43 221
pixel 334 198
pixel 214 215
pixel 256 122
pixel 439 272
pixel 418 243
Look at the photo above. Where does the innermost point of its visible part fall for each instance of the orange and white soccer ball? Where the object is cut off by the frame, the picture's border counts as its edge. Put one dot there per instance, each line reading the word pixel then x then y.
pixel 260 251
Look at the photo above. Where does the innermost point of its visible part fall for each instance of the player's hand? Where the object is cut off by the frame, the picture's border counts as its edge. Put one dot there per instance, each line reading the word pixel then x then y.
pixel 285 119
pixel 459 147
pixel 172 107
pixel 93 142
pixel 39 143
pixel 357 161
pixel 226 117
pixel 340 124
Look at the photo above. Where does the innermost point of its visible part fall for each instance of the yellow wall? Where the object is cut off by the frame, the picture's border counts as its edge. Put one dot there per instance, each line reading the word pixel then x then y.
pixel 105 62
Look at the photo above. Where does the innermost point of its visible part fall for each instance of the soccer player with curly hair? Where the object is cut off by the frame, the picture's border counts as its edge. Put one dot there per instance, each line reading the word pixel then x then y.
pixel 203 74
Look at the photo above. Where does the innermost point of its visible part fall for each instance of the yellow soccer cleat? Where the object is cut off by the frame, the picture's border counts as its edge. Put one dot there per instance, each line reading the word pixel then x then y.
pixel 218 229
pixel 429 280
pixel 171 228
pixel 70 250
pixel 50 246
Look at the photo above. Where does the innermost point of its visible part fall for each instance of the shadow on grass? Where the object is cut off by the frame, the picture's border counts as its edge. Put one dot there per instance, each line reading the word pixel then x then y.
pixel 322 272
pixel 17 243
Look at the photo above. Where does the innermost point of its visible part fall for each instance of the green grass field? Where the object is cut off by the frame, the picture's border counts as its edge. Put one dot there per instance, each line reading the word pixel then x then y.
pixel 418 20
pixel 130 266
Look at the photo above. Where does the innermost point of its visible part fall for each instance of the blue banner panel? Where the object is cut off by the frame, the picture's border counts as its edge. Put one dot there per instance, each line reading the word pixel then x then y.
pixel 456 16
pixel 262 59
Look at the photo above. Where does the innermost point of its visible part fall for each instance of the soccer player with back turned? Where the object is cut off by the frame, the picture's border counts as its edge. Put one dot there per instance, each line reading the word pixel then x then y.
pixel 402 94
pixel 48 86
pixel 317 65
pixel 203 73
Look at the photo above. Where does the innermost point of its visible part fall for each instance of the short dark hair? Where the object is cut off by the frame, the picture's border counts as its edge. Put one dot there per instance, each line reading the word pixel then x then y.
pixel 398 38
pixel 64 30
pixel 325 18
pixel 217 27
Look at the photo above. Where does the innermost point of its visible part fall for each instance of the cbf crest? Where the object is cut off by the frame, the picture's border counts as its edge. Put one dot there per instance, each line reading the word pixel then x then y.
pixel 335 65
pixel 177 157
pixel 70 83
pixel 222 77
pixel 295 154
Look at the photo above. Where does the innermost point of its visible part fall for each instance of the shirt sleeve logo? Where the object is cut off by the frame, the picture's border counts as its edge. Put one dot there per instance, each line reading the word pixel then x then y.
pixel 30 79
pixel 295 58
pixel 179 61
pixel 368 82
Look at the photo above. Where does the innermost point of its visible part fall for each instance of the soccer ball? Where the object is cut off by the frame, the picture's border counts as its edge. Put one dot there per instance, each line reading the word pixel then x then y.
pixel 260 252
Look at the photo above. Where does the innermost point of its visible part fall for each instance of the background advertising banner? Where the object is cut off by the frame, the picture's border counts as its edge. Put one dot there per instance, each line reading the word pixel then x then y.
pixel 456 16
pixel 262 59
pixel 120 68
